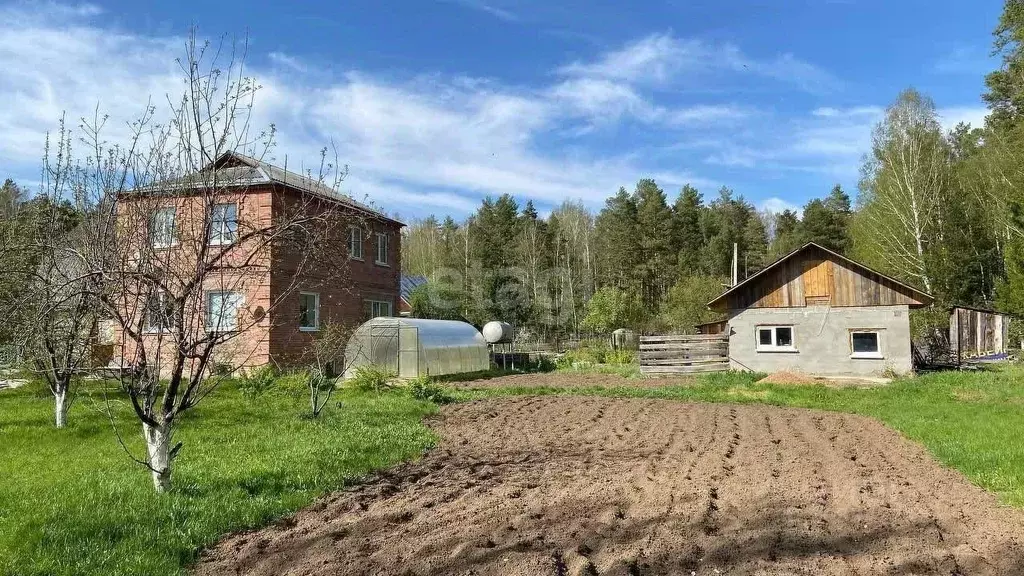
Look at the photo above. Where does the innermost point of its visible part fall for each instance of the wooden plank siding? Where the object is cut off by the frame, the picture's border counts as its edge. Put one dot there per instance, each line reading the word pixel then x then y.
pixel 684 354
pixel 813 276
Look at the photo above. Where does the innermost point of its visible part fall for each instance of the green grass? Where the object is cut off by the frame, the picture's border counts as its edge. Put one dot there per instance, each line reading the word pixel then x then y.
pixel 72 502
pixel 970 421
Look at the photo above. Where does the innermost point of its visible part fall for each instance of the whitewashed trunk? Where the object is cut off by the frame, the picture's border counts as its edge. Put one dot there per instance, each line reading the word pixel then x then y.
pixel 158 445
pixel 60 408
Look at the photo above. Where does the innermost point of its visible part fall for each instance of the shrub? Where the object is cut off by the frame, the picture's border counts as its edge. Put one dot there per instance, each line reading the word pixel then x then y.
pixel 423 389
pixel 258 382
pixel 620 357
pixel 545 364
pixel 373 378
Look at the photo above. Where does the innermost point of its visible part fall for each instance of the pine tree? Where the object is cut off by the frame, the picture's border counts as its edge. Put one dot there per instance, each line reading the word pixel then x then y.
pixel 688 242
pixel 617 239
pixel 653 267
pixel 826 222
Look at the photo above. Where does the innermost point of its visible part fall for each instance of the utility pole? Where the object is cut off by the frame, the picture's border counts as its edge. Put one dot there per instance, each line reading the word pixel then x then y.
pixel 735 263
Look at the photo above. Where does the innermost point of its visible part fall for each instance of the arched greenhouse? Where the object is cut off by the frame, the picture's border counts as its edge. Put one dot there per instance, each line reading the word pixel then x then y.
pixel 414 347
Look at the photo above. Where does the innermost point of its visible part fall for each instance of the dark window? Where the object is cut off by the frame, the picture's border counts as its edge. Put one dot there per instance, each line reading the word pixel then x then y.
pixel 865 342
pixel 159 312
pixel 764 336
pixel 783 336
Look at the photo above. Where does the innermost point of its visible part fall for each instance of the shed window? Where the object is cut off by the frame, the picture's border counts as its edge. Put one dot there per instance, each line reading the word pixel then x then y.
pixel 309 311
pixel 775 339
pixel 865 344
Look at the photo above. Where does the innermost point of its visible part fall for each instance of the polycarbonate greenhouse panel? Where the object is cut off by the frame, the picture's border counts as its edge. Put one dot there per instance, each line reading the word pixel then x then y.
pixel 414 347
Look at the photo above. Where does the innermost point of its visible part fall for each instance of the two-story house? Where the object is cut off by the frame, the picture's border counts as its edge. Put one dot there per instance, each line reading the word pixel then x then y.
pixel 277 297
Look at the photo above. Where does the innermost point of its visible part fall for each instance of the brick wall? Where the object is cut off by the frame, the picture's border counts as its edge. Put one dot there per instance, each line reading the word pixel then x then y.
pixel 343 283
pixel 275 277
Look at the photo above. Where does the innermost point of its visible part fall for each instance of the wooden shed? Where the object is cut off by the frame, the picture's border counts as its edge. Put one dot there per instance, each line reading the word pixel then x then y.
pixel 977 332
pixel 819 312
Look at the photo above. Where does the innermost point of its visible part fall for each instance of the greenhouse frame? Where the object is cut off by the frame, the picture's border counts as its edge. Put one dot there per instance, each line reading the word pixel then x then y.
pixel 413 347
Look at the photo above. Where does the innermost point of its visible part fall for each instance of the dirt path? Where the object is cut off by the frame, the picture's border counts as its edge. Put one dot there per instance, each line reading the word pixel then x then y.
pixel 582 486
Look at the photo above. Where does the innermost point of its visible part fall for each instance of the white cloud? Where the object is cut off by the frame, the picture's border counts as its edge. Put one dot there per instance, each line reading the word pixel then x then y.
pixel 777 205
pixel 962 59
pixel 854 112
pixel 489 8
pixel 663 58
pixel 286 61
pixel 424 143
pixel 973 115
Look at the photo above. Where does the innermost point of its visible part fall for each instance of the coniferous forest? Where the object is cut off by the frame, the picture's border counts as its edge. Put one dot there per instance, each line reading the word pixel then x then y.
pixel 940 210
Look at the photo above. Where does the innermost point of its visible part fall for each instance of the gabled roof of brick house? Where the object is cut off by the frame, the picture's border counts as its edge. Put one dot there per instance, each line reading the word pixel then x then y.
pixel 235 169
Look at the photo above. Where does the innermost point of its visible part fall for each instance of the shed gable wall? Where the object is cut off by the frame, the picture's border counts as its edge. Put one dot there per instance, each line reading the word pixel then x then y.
pixel 815 277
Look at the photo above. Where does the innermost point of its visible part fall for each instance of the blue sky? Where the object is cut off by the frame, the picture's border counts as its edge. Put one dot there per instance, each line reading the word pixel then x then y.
pixel 435 104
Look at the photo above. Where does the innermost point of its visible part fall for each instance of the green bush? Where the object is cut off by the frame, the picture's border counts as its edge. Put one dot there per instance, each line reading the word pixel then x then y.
pixel 373 378
pixel 594 353
pixel 258 382
pixel 545 364
pixel 599 358
pixel 423 388
pixel 620 357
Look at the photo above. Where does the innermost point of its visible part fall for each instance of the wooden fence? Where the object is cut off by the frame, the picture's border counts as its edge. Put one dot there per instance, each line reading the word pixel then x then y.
pixel 684 354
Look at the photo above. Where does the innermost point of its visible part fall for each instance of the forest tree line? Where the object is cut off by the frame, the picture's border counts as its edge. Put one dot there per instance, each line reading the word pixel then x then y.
pixel 940 210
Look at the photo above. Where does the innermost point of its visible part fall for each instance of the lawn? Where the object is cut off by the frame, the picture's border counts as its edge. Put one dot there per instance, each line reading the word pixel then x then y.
pixel 969 421
pixel 72 502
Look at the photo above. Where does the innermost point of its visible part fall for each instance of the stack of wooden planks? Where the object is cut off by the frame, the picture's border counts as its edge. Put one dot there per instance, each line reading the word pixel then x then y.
pixel 684 354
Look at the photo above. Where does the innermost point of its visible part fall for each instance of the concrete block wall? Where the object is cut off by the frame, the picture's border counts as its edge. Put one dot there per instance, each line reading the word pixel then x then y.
pixel 821 336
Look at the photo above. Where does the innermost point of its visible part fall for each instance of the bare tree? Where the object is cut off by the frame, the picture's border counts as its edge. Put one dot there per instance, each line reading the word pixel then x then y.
pixel 189 223
pixel 55 315
pixel 327 363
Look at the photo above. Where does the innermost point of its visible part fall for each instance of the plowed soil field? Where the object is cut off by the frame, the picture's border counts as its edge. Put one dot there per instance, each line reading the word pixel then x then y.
pixel 558 486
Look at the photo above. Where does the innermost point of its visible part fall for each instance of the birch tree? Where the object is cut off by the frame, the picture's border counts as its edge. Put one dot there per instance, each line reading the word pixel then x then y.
pixel 904 181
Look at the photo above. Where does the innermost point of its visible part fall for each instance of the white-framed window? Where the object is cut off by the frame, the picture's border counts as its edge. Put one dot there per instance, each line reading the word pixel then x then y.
pixel 309 311
pixel 159 313
pixel 377 308
pixel 355 242
pixel 775 339
pixel 866 344
pixel 162 227
pixel 222 308
pixel 223 224
pixel 382 249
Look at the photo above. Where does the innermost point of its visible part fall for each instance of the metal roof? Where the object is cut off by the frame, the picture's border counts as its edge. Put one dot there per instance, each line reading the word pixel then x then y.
pixel 409 283
pixel 234 169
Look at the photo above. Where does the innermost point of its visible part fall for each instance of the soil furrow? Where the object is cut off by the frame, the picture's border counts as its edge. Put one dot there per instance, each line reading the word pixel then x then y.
pixel 582 486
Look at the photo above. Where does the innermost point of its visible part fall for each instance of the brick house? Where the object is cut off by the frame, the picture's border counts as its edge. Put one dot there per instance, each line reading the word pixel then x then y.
pixel 283 298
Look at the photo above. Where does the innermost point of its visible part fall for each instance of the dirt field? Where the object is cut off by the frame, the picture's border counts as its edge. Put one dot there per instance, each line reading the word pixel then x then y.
pixel 612 486
pixel 570 380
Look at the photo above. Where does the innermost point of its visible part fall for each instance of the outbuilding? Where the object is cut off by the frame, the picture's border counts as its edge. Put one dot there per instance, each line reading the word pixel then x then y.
pixel 412 347
pixel 817 312
pixel 978 333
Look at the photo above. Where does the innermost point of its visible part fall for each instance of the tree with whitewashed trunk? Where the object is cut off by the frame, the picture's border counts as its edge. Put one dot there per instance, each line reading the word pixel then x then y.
pixel 49 310
pixel 187 232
